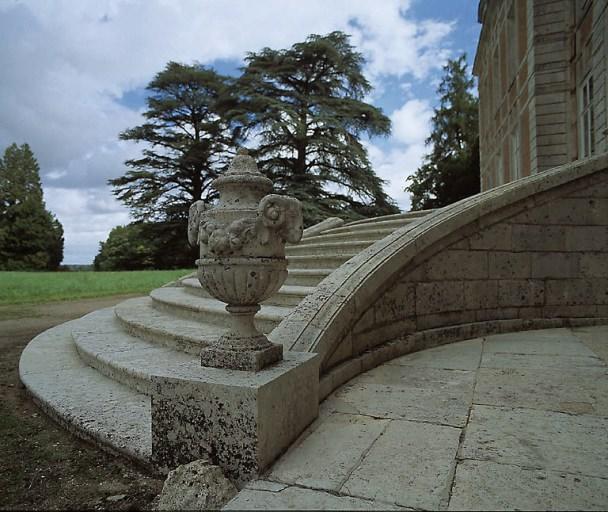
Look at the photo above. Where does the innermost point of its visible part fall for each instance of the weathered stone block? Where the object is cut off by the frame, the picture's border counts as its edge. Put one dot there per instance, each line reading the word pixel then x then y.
pixel 538 238
pixel 531 312
pixel 583 211
pixel 439 297
pixel 460 245
pixel 456 264
pixel 594 264
pixel 480 294
pixel 416 274
pixel 242 420
pixel 557 265
pixel 600 291
pixel 598 190
pixel 442 319
pixel 521 292
pixel 363 341
pixel 483 315
pixel 398 302
pixel 365 322
pixel 343 352
pixel 508 265
pixel 392 330
pixel 587 238
pixel 569 292
pixel 570 311
pixel 496 237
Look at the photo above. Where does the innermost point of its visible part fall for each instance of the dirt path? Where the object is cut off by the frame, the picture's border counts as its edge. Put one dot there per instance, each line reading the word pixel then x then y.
pixel 41 465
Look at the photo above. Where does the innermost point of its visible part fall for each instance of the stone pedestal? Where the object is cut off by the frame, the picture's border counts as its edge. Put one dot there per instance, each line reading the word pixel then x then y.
pixel 242 420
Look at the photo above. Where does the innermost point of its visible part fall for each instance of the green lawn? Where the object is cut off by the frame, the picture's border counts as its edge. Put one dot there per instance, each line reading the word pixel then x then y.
pixel 36 287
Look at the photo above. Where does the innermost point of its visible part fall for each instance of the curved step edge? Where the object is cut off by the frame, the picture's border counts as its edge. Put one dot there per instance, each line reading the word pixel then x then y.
pixel 139 318
pixel 211 311
pixel 287 296
pixel 83 401
pixel 121 357
pixel 324 249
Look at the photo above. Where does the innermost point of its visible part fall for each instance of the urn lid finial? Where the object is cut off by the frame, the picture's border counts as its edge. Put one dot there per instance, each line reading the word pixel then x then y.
pixel 243 172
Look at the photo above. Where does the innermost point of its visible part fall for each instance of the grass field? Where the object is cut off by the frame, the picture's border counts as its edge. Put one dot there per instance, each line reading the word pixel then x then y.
pixel 36 287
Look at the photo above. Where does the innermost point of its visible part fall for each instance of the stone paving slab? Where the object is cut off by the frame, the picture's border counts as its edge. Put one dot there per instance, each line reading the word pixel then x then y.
pixel 407 392
pixel 595 338
pixel 341 439
pixel 489 486
pixel 411 465
pixel 576 390
pixel 503 360
pixel 538 439
pixel 530 431
pixel 298 498
pixel 546 341
pixel 460 356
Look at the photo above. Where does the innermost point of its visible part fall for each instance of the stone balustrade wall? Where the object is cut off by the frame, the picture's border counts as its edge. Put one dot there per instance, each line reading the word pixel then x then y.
pixel 544 266
pixel 531 254
pixel 546 262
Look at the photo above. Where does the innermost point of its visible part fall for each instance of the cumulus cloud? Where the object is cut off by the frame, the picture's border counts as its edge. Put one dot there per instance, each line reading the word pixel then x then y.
pixel 406 148
pixel 411 122
pixel 395 165
pixel 66 65
pixel 87 216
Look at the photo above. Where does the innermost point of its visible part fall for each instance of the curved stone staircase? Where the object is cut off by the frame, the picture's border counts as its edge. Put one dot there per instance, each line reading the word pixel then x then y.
pixel 94 374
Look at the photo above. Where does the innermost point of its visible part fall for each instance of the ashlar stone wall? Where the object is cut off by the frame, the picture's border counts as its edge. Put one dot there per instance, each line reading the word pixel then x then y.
pixel 541 262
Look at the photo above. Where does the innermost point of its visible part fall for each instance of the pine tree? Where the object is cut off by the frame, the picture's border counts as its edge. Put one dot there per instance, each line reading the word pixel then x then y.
pixel 451 170
pixel 305 107
pixel 31 238
pixel 187 141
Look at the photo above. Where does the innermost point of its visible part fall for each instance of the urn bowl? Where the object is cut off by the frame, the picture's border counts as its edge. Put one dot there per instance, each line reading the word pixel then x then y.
pixel 242 281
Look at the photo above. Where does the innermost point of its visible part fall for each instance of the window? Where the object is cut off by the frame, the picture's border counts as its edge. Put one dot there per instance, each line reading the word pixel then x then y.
pixel 496 89
pixel 515 157
pixel 499 169
pixel 586 121
pixel 512 62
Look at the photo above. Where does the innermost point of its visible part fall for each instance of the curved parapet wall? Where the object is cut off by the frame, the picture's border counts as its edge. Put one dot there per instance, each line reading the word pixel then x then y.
pixel 529 254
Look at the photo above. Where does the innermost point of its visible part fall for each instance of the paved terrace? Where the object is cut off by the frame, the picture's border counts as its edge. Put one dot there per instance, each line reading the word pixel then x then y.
pixel 512 421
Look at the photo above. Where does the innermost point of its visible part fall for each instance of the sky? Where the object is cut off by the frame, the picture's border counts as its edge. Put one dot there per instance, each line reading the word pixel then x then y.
pixel 73 75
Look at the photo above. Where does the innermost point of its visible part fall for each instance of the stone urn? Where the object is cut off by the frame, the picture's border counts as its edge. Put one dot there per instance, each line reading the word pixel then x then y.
pixel 242 259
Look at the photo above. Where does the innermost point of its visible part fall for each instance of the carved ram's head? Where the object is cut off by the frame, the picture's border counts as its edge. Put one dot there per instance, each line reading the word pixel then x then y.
pixel 194 220
pixel 280 214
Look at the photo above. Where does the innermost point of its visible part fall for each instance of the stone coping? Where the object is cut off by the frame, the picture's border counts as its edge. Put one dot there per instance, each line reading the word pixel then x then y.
pixel 319 322
pixel 431 338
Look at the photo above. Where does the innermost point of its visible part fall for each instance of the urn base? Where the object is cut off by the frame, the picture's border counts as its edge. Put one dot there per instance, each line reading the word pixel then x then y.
pixel 247 360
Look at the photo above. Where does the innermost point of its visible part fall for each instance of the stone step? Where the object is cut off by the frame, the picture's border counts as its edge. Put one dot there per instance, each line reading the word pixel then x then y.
pixel 352 230
pixel 177 301
pixel 371 235
pixel 310 261
pixel 288 295
pixel 306 276
pixel 140 318
pixel 105 346
pixel 83 400
pixel 347 247
pixel 395 216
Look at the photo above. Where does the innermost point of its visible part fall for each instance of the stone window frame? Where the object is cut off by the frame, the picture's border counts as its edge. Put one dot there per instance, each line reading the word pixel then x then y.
pixel 512 50
pixel 515 156
pixel 586 117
